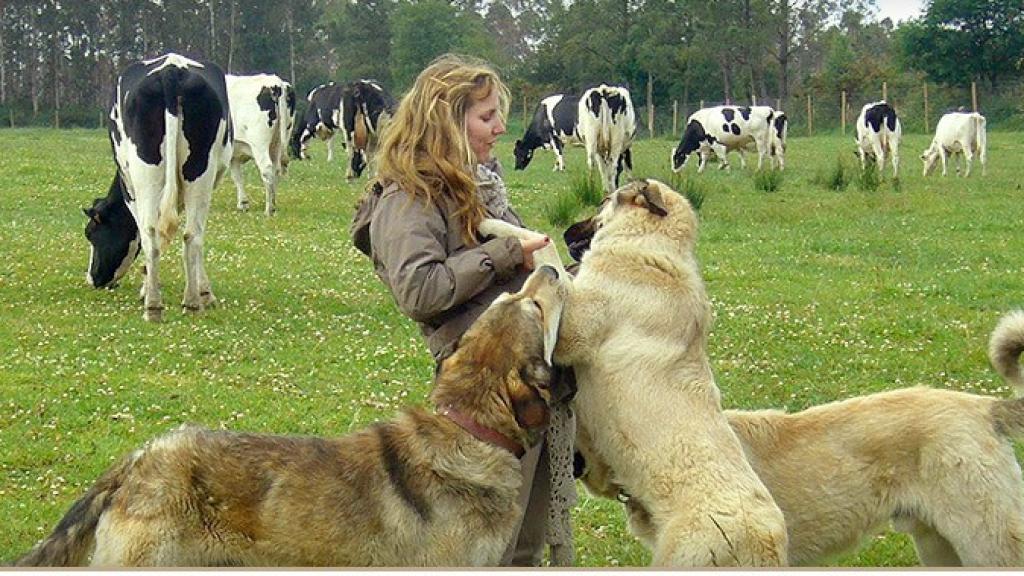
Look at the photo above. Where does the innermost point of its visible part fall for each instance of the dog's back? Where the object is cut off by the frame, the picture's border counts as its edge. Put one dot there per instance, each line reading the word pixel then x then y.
pixel 925 458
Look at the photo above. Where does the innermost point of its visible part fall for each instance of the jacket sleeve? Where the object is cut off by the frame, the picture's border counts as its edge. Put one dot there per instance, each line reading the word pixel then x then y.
pixel 409 241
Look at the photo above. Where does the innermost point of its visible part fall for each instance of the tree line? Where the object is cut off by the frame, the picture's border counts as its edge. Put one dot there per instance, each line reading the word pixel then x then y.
pixel 58 59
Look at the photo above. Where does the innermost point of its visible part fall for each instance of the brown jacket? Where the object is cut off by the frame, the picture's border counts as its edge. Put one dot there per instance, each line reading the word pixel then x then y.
pixel 435 278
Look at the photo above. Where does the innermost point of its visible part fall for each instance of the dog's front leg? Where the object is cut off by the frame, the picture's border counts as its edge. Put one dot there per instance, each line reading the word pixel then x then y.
pixel 548 255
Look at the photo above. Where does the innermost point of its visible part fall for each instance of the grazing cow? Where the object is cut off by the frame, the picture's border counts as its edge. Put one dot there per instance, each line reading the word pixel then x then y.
pixel 722 129
pixel 322 119
pixel 262 114
pixel 554 123
pixel 170 130
pixel 878 133
pixel 357 108
pixel 607 125
pixel 957 133
pixel 365 104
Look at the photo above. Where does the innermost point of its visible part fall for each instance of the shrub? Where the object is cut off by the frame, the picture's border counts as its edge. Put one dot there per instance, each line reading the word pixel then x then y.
pixel 836 179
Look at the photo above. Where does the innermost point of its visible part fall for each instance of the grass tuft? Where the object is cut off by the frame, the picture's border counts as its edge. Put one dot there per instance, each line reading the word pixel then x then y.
pixel 561 208
pixel 868 179
pixel 586 187
pixel 836 179
pixel 767 180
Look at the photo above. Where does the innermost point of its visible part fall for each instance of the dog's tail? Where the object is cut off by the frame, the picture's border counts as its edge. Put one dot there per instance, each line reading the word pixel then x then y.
pixel 1004 351
pixel 73 538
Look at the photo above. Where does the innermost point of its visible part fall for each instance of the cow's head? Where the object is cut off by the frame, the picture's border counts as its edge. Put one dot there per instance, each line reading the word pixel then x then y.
pixel 358 162
pixel 523 153
pixel 113 235
pixel 693 135
pixel 928 157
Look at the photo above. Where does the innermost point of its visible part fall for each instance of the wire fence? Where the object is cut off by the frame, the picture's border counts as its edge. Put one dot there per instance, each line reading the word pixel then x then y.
pixel 919 105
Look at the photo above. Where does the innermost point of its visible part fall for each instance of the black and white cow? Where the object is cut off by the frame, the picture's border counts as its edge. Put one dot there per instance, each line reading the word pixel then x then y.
pixel 960 133
pixel 321 119
pixel 170 130
pixel 553 125
pixel 365 104
pixel 607 125
pixel 721 129
pixel 356 109
pixel 262 114
pixel 879 133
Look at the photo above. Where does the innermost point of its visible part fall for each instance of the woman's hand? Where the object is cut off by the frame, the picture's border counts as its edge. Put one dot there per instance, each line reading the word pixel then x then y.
pixel 530 246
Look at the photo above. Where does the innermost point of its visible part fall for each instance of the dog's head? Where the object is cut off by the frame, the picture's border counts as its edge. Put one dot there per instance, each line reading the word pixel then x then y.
pixel 501 372
pixel 643 208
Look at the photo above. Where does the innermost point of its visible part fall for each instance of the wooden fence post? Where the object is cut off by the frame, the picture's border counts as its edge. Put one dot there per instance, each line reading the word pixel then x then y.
pixel 650 105
pixel 885 91
pixel 675 118
pixel 810 116
pixel 927 128
pixel 974 95
pixel 701 104
pixel 842 111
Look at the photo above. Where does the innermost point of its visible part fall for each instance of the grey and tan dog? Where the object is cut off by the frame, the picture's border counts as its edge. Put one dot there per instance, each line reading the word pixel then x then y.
pixel 426 489
pixel 938 464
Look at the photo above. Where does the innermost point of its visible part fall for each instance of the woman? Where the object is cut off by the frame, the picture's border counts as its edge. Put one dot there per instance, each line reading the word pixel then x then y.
pixel 439 179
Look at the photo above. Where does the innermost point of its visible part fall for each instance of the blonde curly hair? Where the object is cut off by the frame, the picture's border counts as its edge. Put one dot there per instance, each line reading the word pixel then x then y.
pixel 425 149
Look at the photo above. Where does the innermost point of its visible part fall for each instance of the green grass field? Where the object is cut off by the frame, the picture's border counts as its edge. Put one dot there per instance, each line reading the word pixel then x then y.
pixel 817 294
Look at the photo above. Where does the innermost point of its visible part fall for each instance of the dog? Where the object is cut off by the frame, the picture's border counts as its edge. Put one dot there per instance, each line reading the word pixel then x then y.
pixel 938 464
pixel 635 332
pixel 426 489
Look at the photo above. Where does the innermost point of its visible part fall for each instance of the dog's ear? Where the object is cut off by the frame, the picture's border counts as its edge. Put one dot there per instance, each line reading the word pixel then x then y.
pixel 528 404
pixel 652 198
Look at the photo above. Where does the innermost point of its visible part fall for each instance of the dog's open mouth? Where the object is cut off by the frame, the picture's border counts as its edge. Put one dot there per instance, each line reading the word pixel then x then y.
pixel 577 238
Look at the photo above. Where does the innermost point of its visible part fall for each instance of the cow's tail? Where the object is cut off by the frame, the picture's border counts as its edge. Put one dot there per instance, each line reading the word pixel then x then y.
pixel 1004 351
pixel 980 131
pixel 283 118
pixel 167 219
pixel 73 538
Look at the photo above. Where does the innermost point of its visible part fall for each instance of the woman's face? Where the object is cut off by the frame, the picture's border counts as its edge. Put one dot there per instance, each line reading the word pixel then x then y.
pixel 483 126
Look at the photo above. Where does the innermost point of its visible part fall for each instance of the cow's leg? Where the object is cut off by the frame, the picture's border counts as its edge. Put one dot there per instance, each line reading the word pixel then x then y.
pixel 942 156
pixel 239 179
pixel 894 153
pixel 330 147
pixel 149 182
pixel 198 293
pixel 863 159
pixel 702 160
pixel 879 157
pixel 269 176
pixel 556 146
pixel 743 159
pixel 723 156
pixel 968 155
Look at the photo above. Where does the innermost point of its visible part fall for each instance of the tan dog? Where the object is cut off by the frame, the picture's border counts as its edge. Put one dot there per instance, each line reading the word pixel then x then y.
pixel 635 329
pixel 937 463
pixel 427 489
